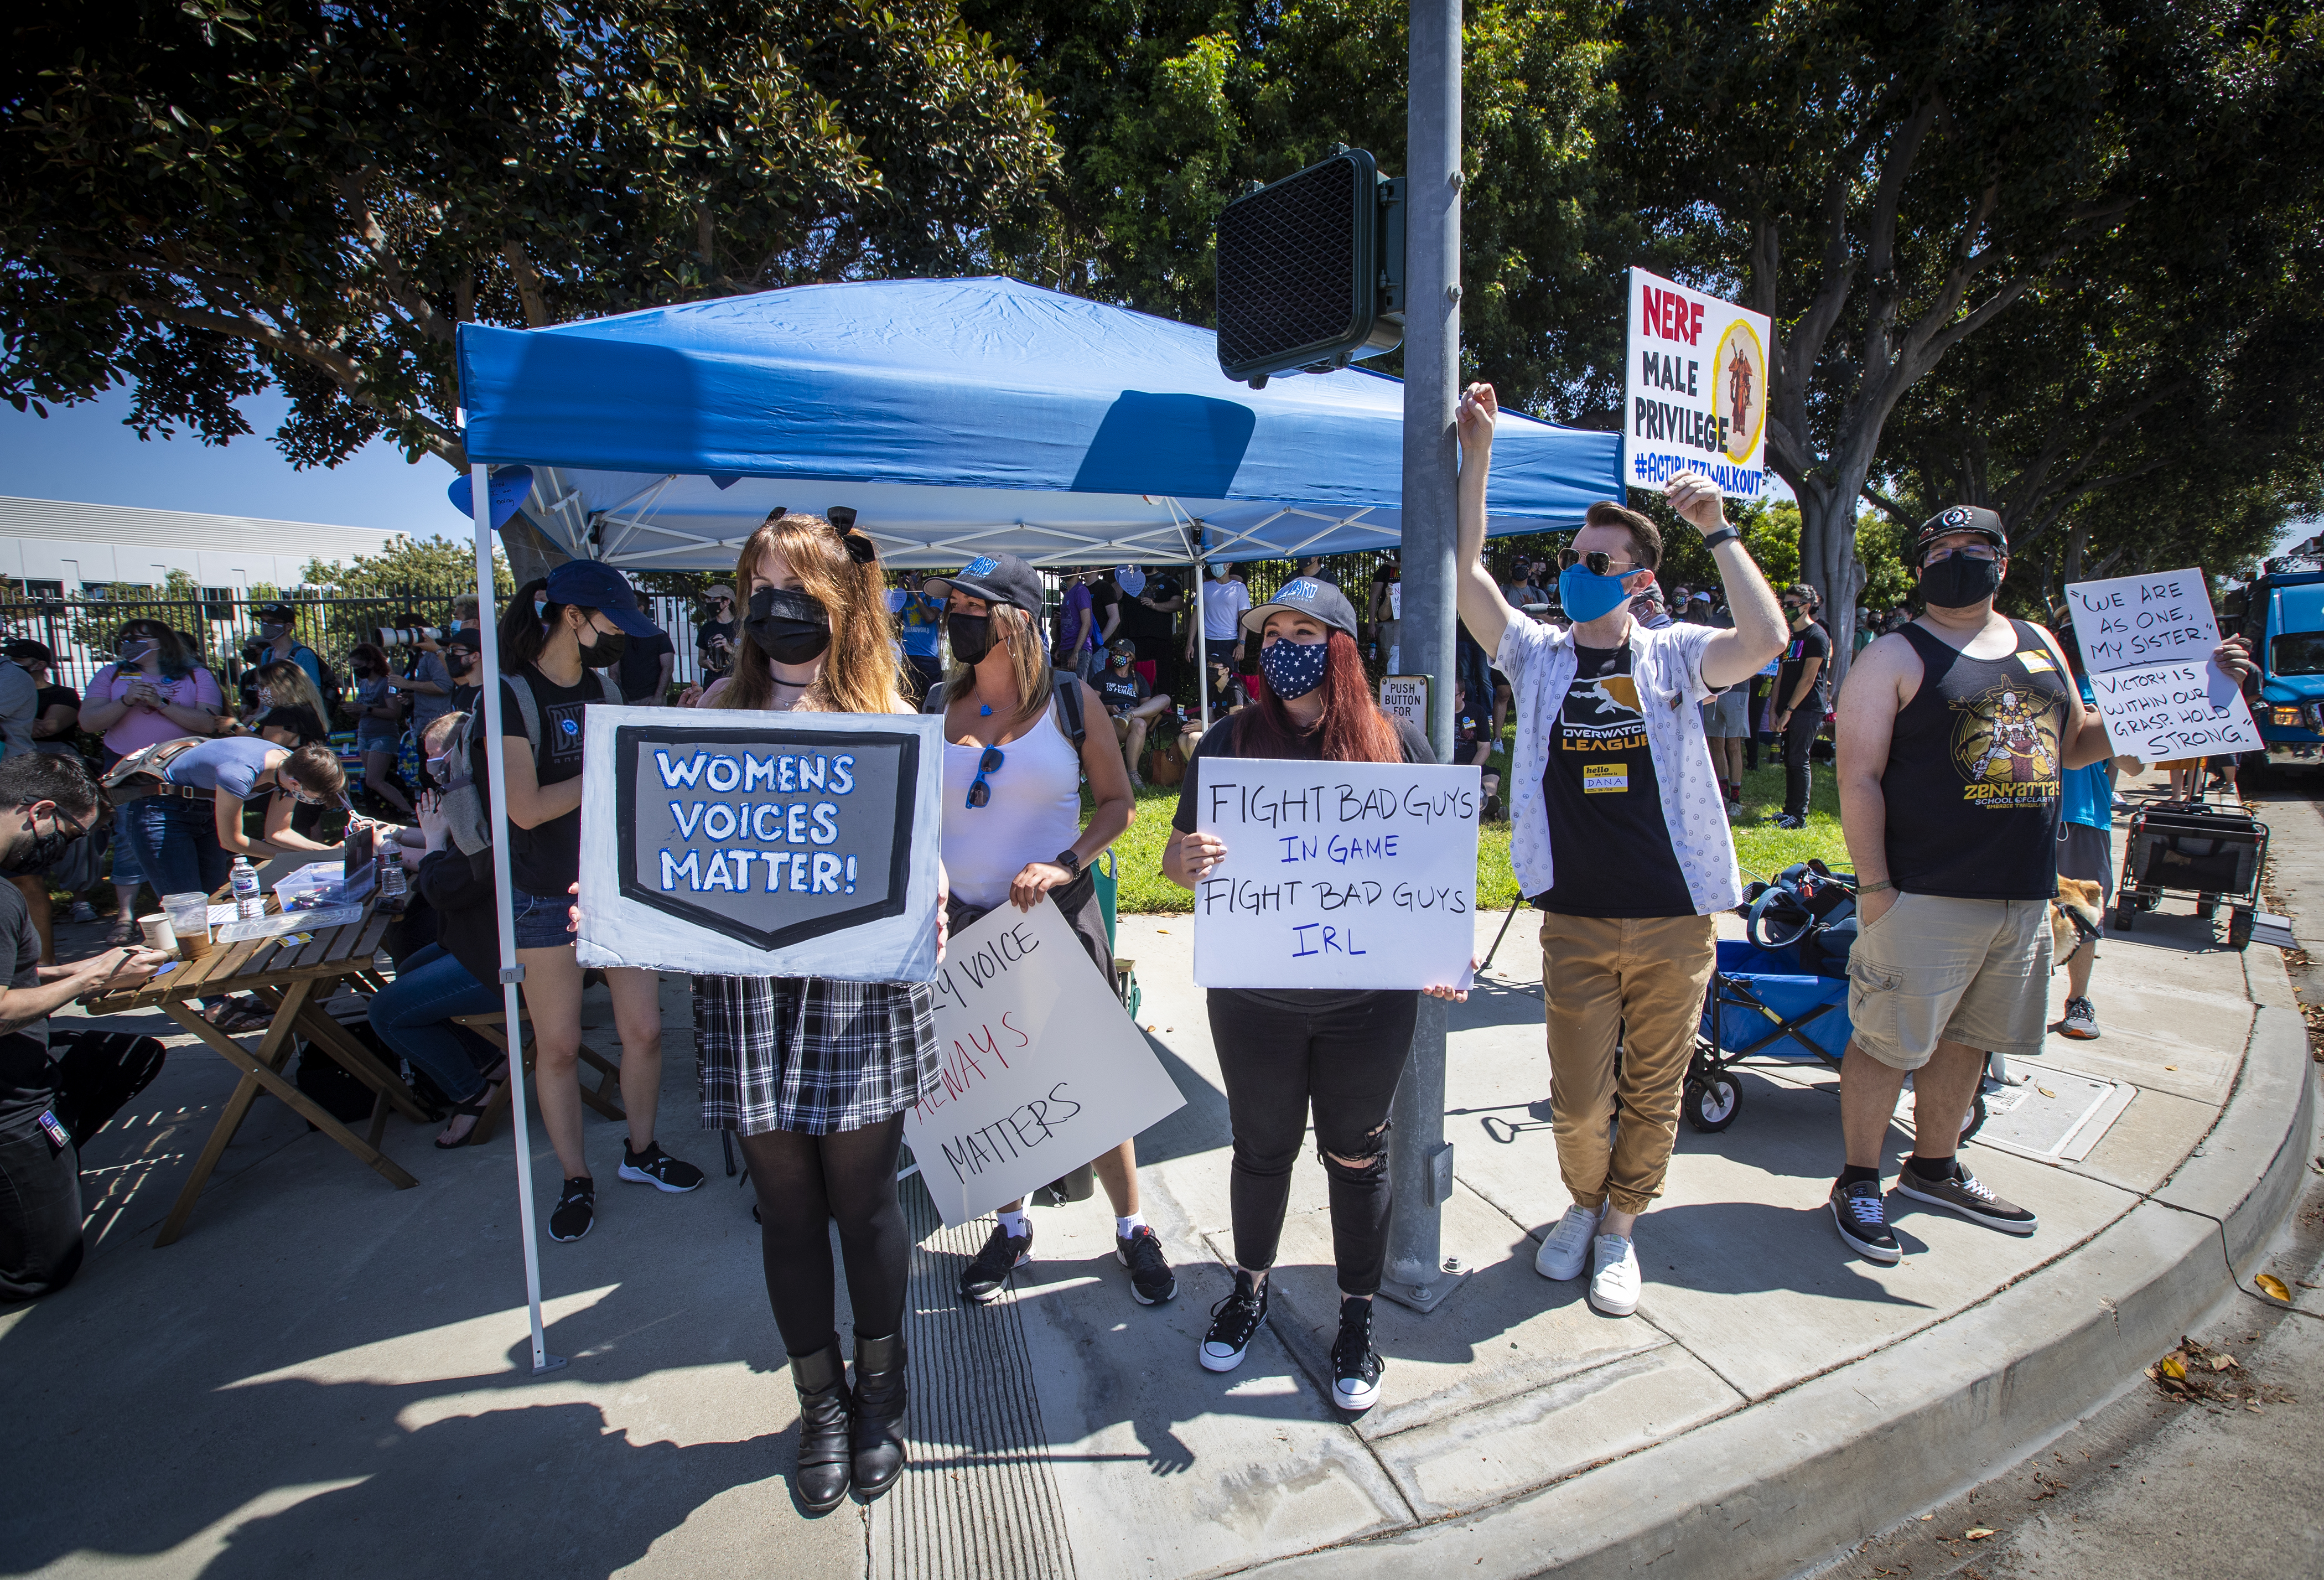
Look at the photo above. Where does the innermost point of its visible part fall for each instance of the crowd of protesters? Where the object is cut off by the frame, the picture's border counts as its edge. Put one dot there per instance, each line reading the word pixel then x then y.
pixel 1633 707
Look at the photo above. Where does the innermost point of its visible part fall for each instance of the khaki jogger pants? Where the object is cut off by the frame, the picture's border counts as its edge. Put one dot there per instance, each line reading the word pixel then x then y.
pixel 1641 979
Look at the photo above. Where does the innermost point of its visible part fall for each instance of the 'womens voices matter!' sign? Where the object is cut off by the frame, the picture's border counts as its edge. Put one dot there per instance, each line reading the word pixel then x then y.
pixel 760 844
pixel 1337 874
pixel 2146 644
pixel 1038 1069
pixel 1695 389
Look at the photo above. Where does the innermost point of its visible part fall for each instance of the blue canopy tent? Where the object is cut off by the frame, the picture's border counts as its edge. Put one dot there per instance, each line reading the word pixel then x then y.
pixel 957 418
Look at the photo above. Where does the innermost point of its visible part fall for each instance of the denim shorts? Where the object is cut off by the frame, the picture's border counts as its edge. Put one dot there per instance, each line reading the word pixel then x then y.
pixel 542 919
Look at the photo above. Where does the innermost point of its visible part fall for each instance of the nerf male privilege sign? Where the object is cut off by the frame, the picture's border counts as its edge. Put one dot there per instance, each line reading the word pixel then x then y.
pixel 1695 389
pixel 760 844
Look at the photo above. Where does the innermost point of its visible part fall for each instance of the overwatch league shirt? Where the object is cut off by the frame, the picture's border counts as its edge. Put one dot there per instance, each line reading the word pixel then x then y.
pixel 1606 829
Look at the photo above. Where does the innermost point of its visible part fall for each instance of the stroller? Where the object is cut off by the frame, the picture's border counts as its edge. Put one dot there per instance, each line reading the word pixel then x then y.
pixel 1780 993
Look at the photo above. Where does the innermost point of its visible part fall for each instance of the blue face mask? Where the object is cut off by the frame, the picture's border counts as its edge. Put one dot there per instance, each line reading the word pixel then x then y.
pixel 1587 597
pixel 1294 668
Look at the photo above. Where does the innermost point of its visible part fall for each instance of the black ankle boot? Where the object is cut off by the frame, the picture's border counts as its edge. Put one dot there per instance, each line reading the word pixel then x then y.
pixel 824 1460
pixel 880 1399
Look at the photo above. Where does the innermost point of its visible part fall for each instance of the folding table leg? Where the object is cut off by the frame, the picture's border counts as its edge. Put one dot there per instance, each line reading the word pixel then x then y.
pixel 317 1026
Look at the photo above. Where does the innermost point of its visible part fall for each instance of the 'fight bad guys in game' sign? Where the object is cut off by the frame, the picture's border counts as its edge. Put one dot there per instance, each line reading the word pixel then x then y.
pixel 760 844
pixel 1337 874
pixel 1695 389
pixel 2147 643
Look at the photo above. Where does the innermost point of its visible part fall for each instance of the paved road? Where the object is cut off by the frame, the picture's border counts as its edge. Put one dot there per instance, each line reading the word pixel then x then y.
pixel 2151 1488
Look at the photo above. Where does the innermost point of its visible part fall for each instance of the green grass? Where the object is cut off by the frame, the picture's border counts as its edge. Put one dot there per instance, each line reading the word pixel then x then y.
pixel 1761 849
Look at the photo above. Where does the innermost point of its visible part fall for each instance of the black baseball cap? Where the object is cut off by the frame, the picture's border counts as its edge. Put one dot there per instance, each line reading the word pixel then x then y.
pixel 997 579
pixel 276 614
pixel 1310 595
pixel 591 584
pixel 27 652
pixel 474 641
pixel 1122 647
pixel 1959 518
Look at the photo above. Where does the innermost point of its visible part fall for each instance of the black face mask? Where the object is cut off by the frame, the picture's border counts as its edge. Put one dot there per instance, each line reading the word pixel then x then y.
pixel 603 651
pixel 972 636
pixel 790 627
pixel 1957 581
pixel 40 852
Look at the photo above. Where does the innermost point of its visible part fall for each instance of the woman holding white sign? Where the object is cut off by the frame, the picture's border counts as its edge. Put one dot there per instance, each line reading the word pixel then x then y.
pixel 813 1074
pixel 1281 1050
pixel 1016 746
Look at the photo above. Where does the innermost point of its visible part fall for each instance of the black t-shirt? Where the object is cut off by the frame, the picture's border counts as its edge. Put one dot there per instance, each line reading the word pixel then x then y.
pixel 28 1081
pixel 640 665
pixel 715 660
pixel 1611 846
pixel 1151 628
pixel 1231 695
pixel 1122 689
pixel 55 697
pixel 468 696
pixel 1218 741
pixel 1814 642
pixel 1103 596
pixel 545 860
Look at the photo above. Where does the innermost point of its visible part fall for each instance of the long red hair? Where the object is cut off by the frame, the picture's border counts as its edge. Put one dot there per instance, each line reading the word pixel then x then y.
pixel 1354 728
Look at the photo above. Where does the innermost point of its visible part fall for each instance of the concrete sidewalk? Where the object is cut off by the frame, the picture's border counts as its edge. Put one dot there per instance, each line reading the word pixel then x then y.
pixel 327 1374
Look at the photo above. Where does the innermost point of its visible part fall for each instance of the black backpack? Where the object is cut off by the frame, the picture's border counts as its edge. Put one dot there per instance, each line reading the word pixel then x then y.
pixel 1064 684
pixel 1808 912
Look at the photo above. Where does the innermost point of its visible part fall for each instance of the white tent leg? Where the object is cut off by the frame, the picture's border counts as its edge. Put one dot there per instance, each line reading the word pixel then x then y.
pixel 504 907
pixel 1202 647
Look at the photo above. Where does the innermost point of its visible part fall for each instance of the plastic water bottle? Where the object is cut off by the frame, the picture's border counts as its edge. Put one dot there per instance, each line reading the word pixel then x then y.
pixel 391 880
pixel 249 904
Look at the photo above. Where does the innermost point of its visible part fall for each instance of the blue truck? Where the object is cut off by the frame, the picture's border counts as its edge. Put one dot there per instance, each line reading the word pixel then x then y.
pixel 2282 613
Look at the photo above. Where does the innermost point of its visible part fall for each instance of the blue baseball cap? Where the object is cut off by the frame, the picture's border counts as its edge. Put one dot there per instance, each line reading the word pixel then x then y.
pixel 591 584
pixel 1310 595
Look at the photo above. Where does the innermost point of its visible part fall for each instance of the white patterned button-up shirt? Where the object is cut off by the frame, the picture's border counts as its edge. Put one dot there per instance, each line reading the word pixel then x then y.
pixel 1667 667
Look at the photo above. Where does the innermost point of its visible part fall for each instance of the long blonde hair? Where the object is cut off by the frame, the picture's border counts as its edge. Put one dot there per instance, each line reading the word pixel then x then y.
pixel 285 675
pixel 859 673
pixel 1028 662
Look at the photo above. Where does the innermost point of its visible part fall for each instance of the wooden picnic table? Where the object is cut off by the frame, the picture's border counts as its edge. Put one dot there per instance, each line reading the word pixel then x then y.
pixel 294 975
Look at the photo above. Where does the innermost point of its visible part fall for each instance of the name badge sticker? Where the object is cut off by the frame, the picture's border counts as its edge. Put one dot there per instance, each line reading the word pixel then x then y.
pixel 2037 663
pixel 1598 777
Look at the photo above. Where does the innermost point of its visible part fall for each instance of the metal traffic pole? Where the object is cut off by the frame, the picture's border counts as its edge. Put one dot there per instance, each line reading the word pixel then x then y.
pixel 1420 1162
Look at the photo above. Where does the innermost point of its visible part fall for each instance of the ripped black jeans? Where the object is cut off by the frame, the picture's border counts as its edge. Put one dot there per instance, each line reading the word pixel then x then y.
pixel 1345 1058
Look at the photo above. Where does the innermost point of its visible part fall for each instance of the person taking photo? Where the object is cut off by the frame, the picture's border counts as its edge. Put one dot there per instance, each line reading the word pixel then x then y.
pixel 1015 748
pixel 1282 1050
pixel 1619 834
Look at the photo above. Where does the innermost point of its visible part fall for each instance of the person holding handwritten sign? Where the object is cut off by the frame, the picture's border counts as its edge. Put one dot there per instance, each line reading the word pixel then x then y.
pixel 1016 746
pixel 813 1074
pixel 1281 1048
pixel 1617 830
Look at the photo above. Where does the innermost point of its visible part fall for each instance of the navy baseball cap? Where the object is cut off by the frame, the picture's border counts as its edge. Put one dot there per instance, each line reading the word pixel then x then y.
pixel 1310 595
pixel 593 585
pixel 1961 518
pixel 997 579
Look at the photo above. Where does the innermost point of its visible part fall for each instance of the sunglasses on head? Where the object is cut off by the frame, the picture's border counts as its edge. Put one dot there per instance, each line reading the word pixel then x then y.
pixel 980 792
pixel 1595 563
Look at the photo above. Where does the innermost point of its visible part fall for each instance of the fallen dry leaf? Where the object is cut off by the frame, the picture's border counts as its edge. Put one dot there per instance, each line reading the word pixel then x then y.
pixel 1977 1532
pixel 1163 929
pixel 2170 1067
pixel 2046 1090
pixel 2221 1363
pixel 2272 1288
pixel 2174 1368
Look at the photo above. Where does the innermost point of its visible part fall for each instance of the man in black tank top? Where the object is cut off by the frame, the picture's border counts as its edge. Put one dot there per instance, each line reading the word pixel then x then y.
pixel 1953 735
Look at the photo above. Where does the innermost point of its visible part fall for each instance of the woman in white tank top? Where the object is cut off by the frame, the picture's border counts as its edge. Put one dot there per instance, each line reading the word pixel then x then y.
pixel 1012 835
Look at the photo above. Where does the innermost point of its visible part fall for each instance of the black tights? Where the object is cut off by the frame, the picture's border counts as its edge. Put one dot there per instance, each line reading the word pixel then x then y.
pixel 805 1181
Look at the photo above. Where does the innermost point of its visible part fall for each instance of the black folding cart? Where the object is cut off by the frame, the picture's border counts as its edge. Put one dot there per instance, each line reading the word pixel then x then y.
pixel 2191 848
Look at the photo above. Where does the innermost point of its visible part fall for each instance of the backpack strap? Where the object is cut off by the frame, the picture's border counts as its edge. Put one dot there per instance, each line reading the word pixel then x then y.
pixel 1068 687
pixel 528 707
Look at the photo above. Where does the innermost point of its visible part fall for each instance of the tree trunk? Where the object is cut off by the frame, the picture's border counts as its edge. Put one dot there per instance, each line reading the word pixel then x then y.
pixel 1828 559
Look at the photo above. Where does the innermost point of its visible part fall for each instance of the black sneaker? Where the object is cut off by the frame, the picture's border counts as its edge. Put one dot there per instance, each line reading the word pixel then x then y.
pixel 1356 1366
pixel 1003 1253
pixel 1235 1321
pixel 576 1210
pixel 1966 1195
pixel 1150 1277
pixel 1790 820
pixel 1861 1212
pixel 658 1169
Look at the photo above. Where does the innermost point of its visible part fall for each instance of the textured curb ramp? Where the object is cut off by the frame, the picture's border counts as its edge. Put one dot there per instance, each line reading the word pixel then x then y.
pixel 978 1498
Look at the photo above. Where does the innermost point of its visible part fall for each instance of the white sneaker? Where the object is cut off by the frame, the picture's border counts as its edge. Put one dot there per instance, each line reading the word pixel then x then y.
pixel 1566 1251
pixel 1614 1290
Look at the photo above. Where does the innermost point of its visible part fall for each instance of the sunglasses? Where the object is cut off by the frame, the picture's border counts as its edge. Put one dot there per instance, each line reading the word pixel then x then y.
pixel 1595 563
pixel 980 792
pixel 1966 552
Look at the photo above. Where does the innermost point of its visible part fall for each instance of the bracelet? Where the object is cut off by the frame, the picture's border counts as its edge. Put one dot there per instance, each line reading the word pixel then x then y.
pixel 1876 888
pixel 1725 534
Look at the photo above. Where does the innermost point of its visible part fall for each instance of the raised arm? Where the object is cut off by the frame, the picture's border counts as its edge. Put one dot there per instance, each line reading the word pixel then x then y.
pixel 1483 610
pixel 1758 633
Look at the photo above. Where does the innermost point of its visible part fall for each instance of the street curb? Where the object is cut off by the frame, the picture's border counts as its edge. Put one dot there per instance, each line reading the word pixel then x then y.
pixel 1782 1484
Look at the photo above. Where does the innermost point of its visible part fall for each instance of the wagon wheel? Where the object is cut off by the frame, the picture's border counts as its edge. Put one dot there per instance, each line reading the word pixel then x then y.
pixel 2239 927
pixel 1711 1104
pixel 1975 1118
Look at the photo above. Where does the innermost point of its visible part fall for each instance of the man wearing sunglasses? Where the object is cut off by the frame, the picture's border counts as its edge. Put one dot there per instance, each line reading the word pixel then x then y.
pixel 1619 834
pixel 714 639
pixel 50 802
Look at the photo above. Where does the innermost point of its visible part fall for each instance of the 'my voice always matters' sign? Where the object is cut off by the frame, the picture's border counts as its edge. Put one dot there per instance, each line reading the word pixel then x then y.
pixel 2146 644
pixel 1039 1068
pixel 1337 874
pixel 1695 389
pixel 760 844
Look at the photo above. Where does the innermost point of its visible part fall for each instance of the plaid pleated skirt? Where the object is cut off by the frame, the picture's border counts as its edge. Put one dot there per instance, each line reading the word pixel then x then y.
pixel 809 1054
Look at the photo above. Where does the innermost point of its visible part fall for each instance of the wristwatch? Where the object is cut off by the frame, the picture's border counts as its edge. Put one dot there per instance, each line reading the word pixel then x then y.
pixel 1068 860
pixel 1725 534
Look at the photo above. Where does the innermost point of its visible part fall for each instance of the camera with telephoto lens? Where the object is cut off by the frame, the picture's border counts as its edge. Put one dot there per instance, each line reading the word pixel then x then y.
pixel 409 635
